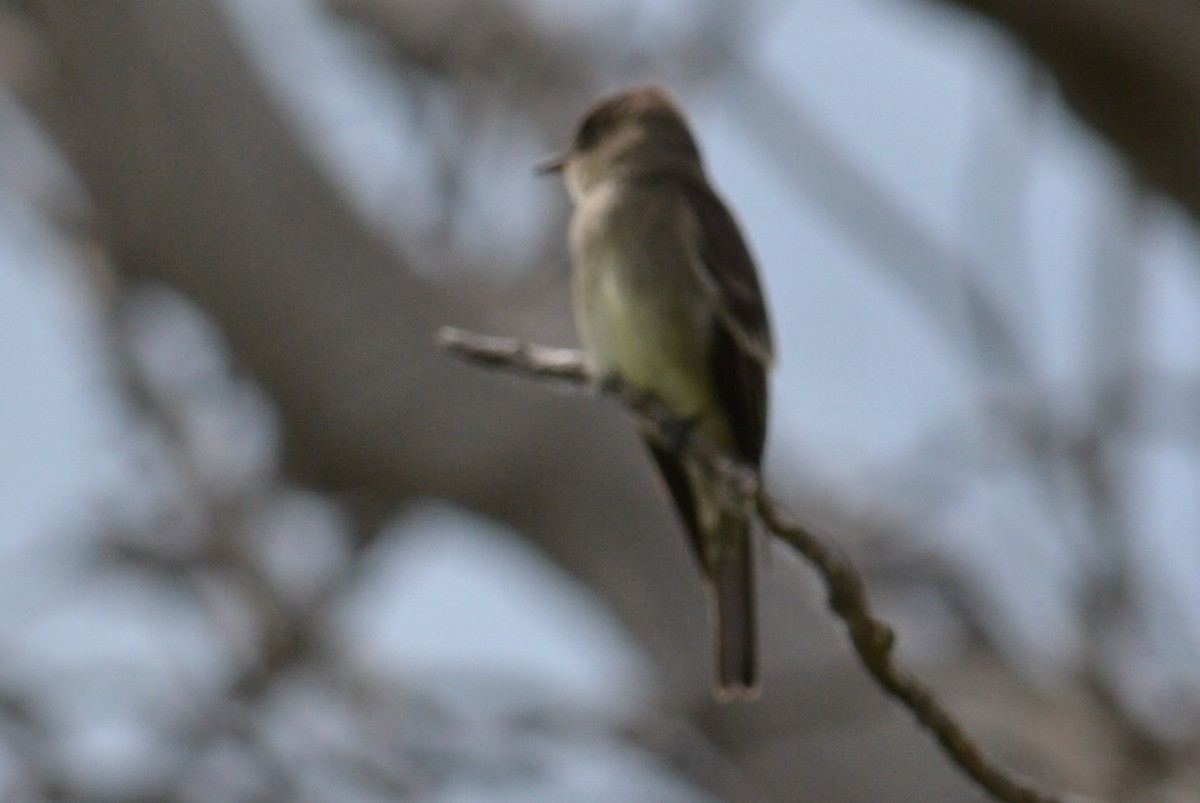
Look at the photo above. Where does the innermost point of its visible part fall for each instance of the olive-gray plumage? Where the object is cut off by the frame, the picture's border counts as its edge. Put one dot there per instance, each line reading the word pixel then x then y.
pixel 666 296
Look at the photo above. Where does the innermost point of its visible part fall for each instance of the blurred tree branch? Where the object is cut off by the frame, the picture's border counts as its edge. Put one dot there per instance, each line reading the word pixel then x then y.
pixel 1130 68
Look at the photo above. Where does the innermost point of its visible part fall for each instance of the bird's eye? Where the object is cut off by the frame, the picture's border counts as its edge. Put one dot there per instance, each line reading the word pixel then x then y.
pixel 589 133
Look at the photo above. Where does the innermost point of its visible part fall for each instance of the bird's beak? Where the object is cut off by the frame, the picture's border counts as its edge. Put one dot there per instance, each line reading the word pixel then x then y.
pixel 552 164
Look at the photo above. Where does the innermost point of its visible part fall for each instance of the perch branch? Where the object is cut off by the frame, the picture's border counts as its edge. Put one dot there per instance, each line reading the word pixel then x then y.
pixel 872 638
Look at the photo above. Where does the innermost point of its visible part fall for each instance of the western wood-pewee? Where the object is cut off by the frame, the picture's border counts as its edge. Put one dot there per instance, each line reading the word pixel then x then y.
pixel 666 297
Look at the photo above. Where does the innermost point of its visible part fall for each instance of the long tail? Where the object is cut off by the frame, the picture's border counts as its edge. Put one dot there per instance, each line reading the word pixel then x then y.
pixel 726 557
pixel 733 612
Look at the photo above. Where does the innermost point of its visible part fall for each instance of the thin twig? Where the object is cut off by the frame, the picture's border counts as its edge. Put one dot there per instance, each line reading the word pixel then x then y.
pixel 873 639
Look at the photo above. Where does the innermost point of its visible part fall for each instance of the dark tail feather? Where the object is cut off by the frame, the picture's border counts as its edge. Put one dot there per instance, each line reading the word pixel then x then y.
pixel 735 635
pixel 731 583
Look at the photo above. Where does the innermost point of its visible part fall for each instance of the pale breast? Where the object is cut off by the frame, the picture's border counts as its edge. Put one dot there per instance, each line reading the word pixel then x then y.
pixel 640 310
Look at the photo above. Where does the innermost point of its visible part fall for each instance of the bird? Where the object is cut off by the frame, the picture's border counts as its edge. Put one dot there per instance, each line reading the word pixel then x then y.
pixel 667 298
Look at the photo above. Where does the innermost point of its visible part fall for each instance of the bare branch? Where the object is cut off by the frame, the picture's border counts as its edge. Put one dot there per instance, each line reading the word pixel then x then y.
pixel 873 639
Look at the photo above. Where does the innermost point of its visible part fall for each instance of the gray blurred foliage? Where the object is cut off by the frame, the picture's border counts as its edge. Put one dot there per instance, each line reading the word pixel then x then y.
pixel 272 355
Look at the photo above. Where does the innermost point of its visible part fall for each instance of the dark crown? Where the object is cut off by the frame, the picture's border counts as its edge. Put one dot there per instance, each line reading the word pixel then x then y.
pixel 650 106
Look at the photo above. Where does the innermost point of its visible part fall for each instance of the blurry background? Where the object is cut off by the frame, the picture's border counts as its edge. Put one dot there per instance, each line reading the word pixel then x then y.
pixel 261 541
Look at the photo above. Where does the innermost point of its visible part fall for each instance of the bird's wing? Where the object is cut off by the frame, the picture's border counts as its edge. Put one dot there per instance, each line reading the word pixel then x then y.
pixel 726 271
pixel 741 351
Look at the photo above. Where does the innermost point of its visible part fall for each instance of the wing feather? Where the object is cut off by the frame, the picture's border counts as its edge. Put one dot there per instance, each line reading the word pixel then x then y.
pixel 740 353
pixel 726 270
